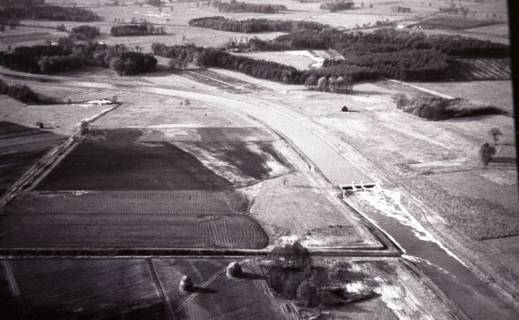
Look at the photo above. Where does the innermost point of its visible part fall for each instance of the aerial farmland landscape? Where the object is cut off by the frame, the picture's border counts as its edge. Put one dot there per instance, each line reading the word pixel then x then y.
pixel 257 159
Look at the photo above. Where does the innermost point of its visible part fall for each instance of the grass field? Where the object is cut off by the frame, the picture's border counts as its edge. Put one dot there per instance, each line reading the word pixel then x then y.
pixel 455 23
pixel 20 148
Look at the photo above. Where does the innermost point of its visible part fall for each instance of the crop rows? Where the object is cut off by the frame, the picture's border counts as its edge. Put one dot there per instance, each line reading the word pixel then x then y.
pixel 481 69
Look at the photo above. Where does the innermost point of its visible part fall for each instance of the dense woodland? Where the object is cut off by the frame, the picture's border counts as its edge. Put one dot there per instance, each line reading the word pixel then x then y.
pixel 254 25
pixel 386 52
pixel 47 12
pixel 235 6
pixel 142 29
pixel 337 5
pixel 69 56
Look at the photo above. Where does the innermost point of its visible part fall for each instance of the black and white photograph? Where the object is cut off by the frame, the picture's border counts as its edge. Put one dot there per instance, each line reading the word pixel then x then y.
pixel 259 160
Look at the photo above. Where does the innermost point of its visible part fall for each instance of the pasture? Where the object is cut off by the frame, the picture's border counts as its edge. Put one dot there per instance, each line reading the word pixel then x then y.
pixel 455 23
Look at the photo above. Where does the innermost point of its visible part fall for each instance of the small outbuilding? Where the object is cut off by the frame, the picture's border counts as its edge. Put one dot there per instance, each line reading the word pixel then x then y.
pixel 234 270
pixel 186 284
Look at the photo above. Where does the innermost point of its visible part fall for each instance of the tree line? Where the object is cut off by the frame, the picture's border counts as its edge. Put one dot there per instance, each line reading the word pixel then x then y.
pixel 22 93
pixel 254 25
pixel 47 12
pixel 219 58
pixel 141 29
pixel 67 56
pixel 183 55
pixel 235 6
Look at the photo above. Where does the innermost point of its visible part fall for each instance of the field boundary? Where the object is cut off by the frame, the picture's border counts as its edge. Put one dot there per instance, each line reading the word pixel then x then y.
pixel 48 162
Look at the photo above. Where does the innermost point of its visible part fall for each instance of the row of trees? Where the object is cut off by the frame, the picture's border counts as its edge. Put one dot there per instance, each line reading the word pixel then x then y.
pixel 48 12
pixel 141 29
pixel 337 80
pixel 212 57
pixel 340 84
pixel 254 25
pixel 21 93
pixel 69 56
pixel 337 5
pixel 235 6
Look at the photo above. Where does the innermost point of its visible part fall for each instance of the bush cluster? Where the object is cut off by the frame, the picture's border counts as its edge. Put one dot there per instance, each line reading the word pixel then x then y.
pixel 141 29
pixel 84 32
pixel 437 108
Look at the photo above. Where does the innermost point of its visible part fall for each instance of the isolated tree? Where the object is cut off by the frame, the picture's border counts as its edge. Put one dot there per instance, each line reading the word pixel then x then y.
pixel 307 295
pixel 117 65
pixel 332 84
pixel 322 84
pixel 495 134
pixel 486 152
pixel 310 81
pixel 234 270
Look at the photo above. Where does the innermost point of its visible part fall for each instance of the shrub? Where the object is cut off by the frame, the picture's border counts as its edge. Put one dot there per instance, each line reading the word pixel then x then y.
pixel 437 108
pixel 85 32
pixel 23 94
pixel 486 152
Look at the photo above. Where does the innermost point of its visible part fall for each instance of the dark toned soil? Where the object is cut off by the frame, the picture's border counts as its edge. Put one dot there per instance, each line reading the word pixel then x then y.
pixel 20 148
pixel 115 160
pixel 197 202
pixel 129 289
pixel 44 230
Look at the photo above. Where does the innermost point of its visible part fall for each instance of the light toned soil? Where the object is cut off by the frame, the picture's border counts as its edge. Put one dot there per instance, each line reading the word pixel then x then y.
pixel 401 293
pixel 299 59
pixel 66 285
